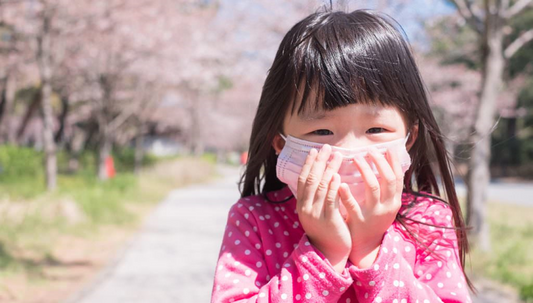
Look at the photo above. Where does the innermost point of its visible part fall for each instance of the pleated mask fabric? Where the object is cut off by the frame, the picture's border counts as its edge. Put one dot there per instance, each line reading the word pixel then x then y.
pixel 293 155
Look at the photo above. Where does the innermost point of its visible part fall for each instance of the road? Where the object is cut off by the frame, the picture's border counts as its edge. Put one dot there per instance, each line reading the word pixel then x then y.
pixel 173 258
pixel 520 193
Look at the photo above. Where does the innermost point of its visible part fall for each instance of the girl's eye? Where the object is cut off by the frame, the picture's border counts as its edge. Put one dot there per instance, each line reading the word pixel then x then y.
pixel 322 132
pixel 375 130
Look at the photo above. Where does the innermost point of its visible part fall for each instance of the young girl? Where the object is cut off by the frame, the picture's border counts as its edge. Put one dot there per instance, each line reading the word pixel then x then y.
pixel 340 197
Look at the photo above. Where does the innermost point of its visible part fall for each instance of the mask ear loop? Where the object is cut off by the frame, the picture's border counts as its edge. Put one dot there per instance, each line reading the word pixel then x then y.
pixel 265 194
pixel 407 138
pixel 284 138
pixel 409 133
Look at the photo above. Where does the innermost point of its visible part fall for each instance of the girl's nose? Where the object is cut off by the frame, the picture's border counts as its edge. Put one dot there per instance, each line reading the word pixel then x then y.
pixel 351 142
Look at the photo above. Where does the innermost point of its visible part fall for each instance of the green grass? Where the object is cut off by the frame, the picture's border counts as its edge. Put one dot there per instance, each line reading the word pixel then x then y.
pixel 209 157
pixel 510 260
pixel 31 220
pixel 102 202
pixel 22 188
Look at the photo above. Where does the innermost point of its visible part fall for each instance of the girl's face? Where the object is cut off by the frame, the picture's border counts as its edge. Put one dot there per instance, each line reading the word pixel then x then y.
pixel 352 126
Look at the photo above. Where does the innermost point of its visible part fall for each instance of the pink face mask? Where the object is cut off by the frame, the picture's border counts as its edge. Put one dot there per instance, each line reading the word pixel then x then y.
pixel 292 158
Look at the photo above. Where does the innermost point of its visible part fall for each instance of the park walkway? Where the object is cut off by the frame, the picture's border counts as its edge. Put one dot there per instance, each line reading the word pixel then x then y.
pixel 173 258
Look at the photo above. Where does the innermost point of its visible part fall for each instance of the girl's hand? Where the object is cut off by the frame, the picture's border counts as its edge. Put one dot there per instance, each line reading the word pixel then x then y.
pixel 369 219
pixel 318 206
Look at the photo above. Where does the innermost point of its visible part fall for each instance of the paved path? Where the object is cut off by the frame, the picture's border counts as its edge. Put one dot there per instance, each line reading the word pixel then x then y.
pixel 173 259
pixel 512 193
pixel 491 292
pixel 174 256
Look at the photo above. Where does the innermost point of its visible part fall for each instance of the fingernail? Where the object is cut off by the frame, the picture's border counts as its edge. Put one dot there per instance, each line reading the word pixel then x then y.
pixel 313 151
pixel 345 186
pixel 358 159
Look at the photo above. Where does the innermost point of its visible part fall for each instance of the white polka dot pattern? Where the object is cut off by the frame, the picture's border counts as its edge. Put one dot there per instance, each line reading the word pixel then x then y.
pixel 265 254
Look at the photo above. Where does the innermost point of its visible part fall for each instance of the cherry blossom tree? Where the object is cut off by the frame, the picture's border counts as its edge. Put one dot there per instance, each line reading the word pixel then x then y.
pixel 44 25
pixel 490 21
pixel 453 96
pixel 114 67
pixel 143 41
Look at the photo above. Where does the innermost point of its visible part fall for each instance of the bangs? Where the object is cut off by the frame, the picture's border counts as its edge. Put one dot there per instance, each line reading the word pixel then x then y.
pixel 341 59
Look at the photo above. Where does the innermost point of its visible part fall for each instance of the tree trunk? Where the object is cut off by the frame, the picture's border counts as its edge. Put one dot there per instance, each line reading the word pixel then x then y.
pixel 196 133
pixel 3 98
pixel 479 173
pixel 139 153
pixel 30 110
pixel 105 138
pixel 8 98
pixel 104 151
pixel 45 70
pixel 76 146
pixel 48 137
pixel 62 119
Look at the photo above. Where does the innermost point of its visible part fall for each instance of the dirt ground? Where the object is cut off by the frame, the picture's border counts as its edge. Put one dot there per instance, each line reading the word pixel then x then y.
pixel 75 263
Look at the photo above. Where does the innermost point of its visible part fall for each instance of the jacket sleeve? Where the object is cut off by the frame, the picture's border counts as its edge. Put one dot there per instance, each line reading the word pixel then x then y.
pixel 242 274
pixel 406 271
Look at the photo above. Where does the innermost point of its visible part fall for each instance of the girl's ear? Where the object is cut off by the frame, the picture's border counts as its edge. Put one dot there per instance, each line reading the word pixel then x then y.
pixel 413 134
pixel 278 143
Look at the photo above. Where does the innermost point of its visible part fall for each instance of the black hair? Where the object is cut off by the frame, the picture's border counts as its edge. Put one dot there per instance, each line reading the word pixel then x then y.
pixel 349 58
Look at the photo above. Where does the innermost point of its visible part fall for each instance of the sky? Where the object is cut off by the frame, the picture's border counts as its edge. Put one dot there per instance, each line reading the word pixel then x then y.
pixel 412 15
pixel 259 49
pixel 409 13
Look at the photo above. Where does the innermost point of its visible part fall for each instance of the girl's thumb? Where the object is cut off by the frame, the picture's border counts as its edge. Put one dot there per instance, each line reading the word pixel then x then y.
pixel 348 200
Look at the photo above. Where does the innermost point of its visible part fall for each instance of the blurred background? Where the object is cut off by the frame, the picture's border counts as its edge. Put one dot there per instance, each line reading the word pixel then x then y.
pixel 107 106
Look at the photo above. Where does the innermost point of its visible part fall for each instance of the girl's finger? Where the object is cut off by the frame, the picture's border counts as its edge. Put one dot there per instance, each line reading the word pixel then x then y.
pixel 386 174
pixel 394 160
pixel 331 205
pixel 351 205
pixel 303 176
pixel 323 187
pixel 315 176
pixel 371 182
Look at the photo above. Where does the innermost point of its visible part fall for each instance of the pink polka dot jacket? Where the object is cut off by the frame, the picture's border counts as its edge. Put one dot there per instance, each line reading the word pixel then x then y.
pixel 266 257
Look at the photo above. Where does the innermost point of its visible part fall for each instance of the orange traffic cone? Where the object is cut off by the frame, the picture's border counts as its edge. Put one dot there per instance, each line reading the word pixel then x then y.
pixel 244 158
pixel 110 167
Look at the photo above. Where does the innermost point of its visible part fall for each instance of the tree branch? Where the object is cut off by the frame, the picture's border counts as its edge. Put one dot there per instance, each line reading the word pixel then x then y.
pixel 516 8
pixel 122 117
pixel 515 46
pixel 465 10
